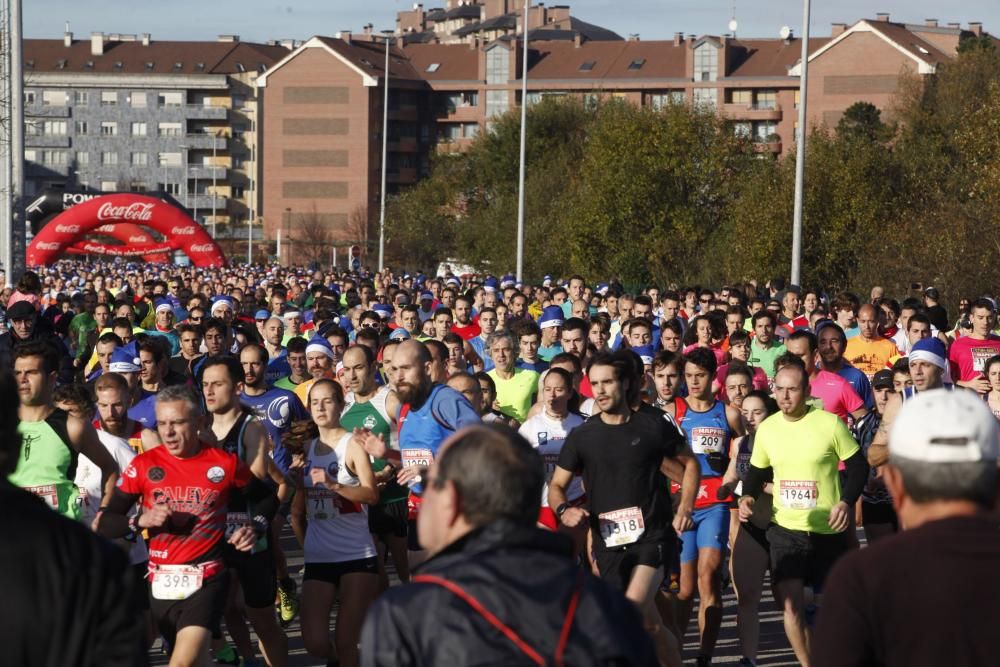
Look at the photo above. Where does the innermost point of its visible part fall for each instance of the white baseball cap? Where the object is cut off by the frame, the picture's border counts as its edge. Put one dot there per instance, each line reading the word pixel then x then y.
pixel 943 426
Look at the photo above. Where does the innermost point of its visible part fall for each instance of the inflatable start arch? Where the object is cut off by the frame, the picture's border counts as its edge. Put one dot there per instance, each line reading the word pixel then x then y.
pixel 122 216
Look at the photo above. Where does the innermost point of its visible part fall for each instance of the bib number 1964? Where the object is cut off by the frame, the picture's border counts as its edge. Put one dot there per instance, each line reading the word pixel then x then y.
pixel 798 494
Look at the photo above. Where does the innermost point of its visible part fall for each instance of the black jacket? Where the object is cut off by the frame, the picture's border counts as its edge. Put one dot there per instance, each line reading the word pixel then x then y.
pixel 42 331
pixel 525 577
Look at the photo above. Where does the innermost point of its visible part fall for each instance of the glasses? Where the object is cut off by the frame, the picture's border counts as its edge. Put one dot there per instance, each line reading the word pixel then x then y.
pixel 195 319
pixel 370 325
pixel 705 300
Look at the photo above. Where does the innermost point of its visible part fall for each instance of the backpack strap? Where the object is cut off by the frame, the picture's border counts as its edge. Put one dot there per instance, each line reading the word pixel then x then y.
pixel 506 630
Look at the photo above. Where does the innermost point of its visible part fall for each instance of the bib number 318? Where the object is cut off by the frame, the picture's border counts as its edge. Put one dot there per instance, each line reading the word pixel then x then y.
pixel 621 527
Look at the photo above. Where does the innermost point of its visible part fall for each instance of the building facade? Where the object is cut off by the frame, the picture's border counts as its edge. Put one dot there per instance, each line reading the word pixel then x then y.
pixel 121 112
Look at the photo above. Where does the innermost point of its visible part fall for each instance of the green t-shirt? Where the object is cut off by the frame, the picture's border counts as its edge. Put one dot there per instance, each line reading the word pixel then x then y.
pixel 764 358
pixel 804 456
pixel 368 416
pixel 45 464
pixel 515 395
pixel 286 383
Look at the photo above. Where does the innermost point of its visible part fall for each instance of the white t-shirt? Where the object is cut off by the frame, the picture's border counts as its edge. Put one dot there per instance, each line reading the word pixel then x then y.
pixel 88 481
pixel 547 435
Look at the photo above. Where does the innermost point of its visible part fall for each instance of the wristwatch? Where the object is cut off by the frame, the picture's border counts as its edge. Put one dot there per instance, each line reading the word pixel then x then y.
pixel 562 509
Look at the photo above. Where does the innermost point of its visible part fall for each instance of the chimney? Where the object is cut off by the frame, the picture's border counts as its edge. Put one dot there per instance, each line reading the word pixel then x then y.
pixel 97 43
pixel 931 23
pixel 67 38
pixel 976 28
pixel 955 26
pixel 837 29
pixel 633 37
pixel 368 30
pixel 146 38
pixel 474 44
pixel 678 38
pixel 345 35
pixel 228 38
pixel 577 39
pixel 882 16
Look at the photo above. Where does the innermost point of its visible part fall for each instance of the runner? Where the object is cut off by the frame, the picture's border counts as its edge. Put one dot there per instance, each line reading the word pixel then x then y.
pixel 340 557
pixel 831 342
pixel 295 356
pixel 320 363
pixel 709 425
pixel 516 387
pixel 751 553
pixel 801 448
pixel 550 323
pixel 875 512
pixel 487 325
pixel 184 487
pixel 764 349
pixel 833 392
pixel 628 507
pixel 52 439
pixel 869 351
pixel 373 409
pixel 969 353
pixel 240 433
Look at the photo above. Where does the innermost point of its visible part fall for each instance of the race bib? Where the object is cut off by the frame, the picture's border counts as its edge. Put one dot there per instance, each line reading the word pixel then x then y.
pixel 551 461
pixel 980 355
pixel 46 492
pixel 176 582
pixel 743 464
pixel 621 527
pixel 235 521
pixel 707 439
pixel 798 494
pixel 417 457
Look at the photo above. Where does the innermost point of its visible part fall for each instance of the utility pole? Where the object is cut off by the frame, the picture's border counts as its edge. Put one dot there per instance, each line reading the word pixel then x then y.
pixel 12 231
pixel 385 152
pixel 800 151
pixel 524 140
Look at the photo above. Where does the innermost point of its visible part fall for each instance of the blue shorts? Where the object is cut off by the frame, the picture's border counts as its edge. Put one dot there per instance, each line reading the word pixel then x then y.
pixel 711 531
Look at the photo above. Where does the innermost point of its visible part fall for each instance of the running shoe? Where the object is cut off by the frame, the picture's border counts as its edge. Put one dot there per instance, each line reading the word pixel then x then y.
pixel 227 655
pixel 288 601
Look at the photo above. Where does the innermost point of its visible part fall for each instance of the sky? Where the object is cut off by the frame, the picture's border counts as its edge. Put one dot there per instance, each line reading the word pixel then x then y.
pixel 262 20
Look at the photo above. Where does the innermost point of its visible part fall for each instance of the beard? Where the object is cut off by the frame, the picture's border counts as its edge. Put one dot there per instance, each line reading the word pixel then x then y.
pixel 409 393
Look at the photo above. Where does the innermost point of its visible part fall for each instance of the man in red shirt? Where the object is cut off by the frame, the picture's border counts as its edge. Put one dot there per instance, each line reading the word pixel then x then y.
pixel 464 326
pixel 968 354
pixel 184 488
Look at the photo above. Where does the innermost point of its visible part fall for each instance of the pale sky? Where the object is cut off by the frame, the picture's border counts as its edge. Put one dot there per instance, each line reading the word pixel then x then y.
pixel 261 20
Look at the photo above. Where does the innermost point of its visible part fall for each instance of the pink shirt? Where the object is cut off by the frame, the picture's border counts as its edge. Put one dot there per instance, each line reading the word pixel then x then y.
pixel 836 393
pixel 760 380
pixel 968 356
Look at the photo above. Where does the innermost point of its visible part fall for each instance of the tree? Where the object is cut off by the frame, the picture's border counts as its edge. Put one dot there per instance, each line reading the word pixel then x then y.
pixel 862 120
pixel 311 238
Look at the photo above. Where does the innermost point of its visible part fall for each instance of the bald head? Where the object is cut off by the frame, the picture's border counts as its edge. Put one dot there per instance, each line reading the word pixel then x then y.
pixel 413 371
pixel 868 321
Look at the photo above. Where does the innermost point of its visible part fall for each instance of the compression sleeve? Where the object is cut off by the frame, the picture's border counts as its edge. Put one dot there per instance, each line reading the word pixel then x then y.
pixel 753 486
pixel 263 497
pixel 114 520
pixel 857 475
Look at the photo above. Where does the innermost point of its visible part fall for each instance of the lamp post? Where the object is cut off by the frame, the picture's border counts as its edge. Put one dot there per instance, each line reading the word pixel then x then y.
pixel 215 137
pixel 387 34
pixel 253 184
pixel 800 151
pixel 524 138
pixel 184 159
pixel 288 233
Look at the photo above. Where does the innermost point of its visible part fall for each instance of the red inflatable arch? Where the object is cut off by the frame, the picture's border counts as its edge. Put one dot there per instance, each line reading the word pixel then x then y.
pixel 103 215
pixel 129 235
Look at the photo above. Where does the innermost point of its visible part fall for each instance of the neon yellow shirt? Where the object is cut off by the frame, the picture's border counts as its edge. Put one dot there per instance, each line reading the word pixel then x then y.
pixel 804 455
pixel 516 394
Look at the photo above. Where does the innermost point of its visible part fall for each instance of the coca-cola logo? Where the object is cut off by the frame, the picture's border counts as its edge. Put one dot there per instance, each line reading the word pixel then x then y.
pixel 67 229
pixel 137 239
pixel 138 211
pixel 105 229
pixel 201 247
pixel 90 247
pixel 45 245
pixel 183 231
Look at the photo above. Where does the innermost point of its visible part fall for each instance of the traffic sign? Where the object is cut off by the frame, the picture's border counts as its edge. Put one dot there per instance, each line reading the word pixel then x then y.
pixel 355 251
pixel 355 264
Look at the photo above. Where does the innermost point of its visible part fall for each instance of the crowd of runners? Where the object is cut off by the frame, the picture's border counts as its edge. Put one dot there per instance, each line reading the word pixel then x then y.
pixel 668 442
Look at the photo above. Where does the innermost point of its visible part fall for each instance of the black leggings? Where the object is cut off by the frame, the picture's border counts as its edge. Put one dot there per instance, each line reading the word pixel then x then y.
pixel 750 560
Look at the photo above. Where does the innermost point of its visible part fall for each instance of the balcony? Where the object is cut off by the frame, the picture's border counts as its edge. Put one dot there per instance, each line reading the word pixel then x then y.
pixel 450 146
pixel 402 176
pixel 47 112
pixel 767 146
pixel 46 141
pixel 202 112
pixel 752 111
pixel 403 145
pixel 205 172
pixel 409 114
pixel 202 140
pixel 465 113
pixel 205 202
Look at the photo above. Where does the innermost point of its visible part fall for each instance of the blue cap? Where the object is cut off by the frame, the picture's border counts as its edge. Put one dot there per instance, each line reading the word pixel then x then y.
pixel 930 350
pixel 426 295
pixel 645 353
pixel 319 344
pixel 384 310
pixel 262 314
pixel 163 304
pixel 490 284
pixel 399 334
pixel 507 281
pixel 552 316
pixel 125 359
pixel 221 302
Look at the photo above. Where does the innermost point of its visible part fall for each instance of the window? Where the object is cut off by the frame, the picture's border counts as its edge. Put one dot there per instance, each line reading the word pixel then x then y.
pixel 31 155
pixel 169 159
pixel 705 98
pixel 433 67
pixel 109 128
pixel 797 92
pixel 82 158
pixel 497 102
pixel 140 159
pixel 767 99
pixel 54 98
pixel 765 131
pixel 470 130
pixel 138 129
pixel 743 130
pixel 81 127
pixel 588 66
pixel 170 99
pixel 451 132
pixel 109 186
pixel 54 128
pixel 170 129
pixel 109 158
pixel 636 64
pixel 169 188
pixel 534 98
pixel 81 98
pixel 706 59
pixel 497 66
pixel 30 96
pixel 32 127
pixel 659 101
pixel 55 158
pixel 591 101
pixel 109 98
pixel 238 192
pixel 742 97
pixel 137 100
pixel 238 161
pixel 137 186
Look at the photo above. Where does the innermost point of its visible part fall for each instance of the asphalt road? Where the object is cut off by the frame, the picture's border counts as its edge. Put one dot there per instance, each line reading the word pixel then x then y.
pixel 774 649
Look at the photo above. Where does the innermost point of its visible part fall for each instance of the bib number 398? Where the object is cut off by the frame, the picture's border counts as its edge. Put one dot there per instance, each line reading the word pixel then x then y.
pixel 621 527
pixel 798 494
pixel 176 582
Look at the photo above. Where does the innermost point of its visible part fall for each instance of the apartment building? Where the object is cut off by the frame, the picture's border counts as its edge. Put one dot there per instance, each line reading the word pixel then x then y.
pixel 126 112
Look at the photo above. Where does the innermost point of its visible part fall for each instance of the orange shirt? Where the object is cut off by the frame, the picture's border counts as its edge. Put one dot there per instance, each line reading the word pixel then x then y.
pixel 870 357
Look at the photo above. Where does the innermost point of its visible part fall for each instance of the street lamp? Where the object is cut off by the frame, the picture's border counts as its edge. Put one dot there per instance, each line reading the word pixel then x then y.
pixel 800 152
pixel 215 137
pixel 524 128
pixel 184 158
pixel 387 35
pixel 253 184
pixel 288 233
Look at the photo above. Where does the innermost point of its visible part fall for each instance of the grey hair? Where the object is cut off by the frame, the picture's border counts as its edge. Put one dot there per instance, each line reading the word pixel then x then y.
pixel 180 393
pixel 927 482
pixel 497 335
